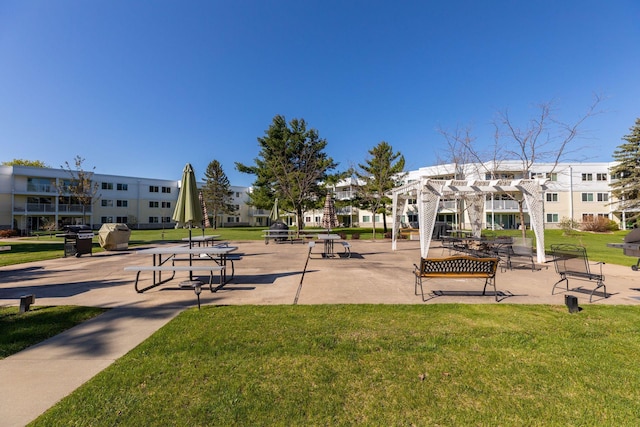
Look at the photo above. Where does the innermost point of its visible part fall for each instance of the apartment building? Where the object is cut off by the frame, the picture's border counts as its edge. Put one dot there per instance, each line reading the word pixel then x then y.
pixel 30 199
pixel 579 191
pixel 35 198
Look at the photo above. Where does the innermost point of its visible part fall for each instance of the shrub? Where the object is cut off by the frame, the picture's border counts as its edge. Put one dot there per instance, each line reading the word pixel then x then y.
pixel 568 226
pixel 8 233
pixel 599 225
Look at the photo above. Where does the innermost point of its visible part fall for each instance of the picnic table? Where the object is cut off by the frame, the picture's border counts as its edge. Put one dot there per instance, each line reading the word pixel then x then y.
pixel 328 240
pixel 162 255
pixel 202 240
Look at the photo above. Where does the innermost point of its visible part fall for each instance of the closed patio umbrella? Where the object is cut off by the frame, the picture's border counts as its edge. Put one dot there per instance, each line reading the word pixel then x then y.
pixel 275 212
pixel 205 223
pixel 188 209
pixel 329 216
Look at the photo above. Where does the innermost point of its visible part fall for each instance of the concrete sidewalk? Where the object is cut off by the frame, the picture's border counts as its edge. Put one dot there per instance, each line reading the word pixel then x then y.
pixel 36 378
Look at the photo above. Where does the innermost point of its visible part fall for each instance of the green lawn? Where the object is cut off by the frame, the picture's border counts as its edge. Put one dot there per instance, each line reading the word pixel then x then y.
pixel 21 330
pixel 376 365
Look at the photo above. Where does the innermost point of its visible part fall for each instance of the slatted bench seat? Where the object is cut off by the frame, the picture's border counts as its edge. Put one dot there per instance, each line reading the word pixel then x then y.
pixel 457 267
pixel 176 268
pixel 572 261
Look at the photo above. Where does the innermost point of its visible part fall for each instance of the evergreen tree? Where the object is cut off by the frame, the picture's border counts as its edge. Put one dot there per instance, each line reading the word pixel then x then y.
pixel 382 172
pixel 292 166
pixel 626 186
pixel 217 192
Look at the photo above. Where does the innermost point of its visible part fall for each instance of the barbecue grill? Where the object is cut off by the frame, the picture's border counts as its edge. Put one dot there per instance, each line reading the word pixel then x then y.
pixel 631 246
pixel 280 226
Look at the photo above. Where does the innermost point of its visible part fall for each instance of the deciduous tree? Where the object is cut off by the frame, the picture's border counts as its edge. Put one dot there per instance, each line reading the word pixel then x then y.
pixel 80 187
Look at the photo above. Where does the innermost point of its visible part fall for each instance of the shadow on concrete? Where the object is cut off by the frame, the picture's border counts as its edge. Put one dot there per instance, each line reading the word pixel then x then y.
pixel 500 294
pixel 59 290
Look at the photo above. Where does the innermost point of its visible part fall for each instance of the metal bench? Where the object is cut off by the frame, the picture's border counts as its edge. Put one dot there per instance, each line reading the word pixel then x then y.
pixel 457 267
pixel 173 269
pixel 347 248
pixel 572 261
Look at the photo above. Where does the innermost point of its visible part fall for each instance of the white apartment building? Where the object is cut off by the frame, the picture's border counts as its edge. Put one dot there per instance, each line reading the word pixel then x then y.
pixel 578 191
pixel 30 199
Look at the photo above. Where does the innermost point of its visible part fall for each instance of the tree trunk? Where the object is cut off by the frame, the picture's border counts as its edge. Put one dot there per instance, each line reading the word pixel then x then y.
pixel 521 213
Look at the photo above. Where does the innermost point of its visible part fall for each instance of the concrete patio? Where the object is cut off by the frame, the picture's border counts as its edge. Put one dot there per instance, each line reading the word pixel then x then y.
pixel 35 379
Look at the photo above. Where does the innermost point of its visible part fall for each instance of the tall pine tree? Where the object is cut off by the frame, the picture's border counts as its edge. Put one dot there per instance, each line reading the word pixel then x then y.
pixel 382 171
pixel 626 174
pixel 217 191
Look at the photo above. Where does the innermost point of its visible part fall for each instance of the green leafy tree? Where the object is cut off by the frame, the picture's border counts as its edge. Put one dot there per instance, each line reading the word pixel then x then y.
pixel 24 162
pixel 217 192
pixel 80 188
pixel 626 186
pixel 382 171
pixel 291 166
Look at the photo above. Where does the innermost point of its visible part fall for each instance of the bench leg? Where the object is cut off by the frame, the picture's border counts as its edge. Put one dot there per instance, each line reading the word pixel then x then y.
pixel 563 279
pixel 490 281
pixel 600 285
pixel 417 283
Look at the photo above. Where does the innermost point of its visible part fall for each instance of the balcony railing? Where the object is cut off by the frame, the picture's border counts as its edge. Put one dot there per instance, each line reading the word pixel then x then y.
pixel 343 195
pixel 40 207
pixel 41 188
pixel 44 207
pixel 503 205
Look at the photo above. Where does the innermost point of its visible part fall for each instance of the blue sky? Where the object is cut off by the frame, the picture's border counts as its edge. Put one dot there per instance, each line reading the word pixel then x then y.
pixel 140 88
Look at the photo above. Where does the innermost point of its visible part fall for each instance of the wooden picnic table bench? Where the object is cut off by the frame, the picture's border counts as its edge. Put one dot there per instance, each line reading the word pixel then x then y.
pixel 457 267
pixel 572 261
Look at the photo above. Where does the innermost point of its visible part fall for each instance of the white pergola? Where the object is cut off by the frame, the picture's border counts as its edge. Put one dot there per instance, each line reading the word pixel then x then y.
pixel 429 192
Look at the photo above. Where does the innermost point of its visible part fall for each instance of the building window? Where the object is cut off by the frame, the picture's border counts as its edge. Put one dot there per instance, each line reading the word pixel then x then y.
pixel 154 189
pixel 107 203
pixel 551 176
pixel 121 219
pixel 552 217
pixel 153 204
pixel 107 185
pixel 307 219
pixel 166 219
pixel 601 177
pixel 122 187
pixel 154 220
pixel 237 194
pixel 106 219
pixel 166 204
pixel 166 189
pixel 587 217
pixel 587 177
pixel 552 197
pixel 587 197
pixel 603 197
pixel 366 218
pixel 122 203
pixel 412 201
